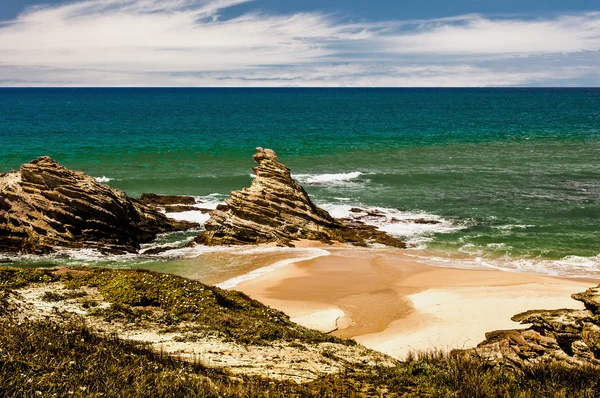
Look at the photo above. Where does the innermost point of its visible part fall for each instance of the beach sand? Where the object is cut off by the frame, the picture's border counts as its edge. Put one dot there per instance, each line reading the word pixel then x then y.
pixel 387 301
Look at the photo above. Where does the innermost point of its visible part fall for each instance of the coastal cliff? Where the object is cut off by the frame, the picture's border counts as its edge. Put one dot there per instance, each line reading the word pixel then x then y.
pixel 276 209
pixel 45 205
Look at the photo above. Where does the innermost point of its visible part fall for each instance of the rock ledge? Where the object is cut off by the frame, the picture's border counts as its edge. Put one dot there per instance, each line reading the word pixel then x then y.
pixel 565 335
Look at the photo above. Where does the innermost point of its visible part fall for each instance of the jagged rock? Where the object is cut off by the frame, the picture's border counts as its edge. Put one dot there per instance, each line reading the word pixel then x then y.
pixel 182 208
pixel 590 298
pixel 565 335
pixel 46 205
pixel 151 199
pixel 277 209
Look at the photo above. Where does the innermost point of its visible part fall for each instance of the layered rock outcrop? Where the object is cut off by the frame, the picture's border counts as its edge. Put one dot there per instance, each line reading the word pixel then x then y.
pixel 45 205
pixel 565 335
pixel 277 209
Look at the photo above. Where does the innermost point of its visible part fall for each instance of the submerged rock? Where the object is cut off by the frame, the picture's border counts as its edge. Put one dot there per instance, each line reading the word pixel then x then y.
pixel 275 208
pixel 152 199
pixel 565 335
pixel 172 203
pixel 45 205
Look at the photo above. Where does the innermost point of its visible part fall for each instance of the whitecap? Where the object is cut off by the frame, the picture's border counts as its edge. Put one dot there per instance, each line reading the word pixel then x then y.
pixel 103 179
pixel 210 201
pixel 335 179
pixel 191 216
pixel 569 266
pixel 510 227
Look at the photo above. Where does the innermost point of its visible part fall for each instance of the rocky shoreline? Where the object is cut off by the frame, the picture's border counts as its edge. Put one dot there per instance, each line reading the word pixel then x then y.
pixel 563 335
pixel 45 206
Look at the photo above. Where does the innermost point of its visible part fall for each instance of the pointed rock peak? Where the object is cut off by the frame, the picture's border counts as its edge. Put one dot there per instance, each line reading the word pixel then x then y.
pixel 264 154
pixel 277 209
pixel 45 160
pixel 270 168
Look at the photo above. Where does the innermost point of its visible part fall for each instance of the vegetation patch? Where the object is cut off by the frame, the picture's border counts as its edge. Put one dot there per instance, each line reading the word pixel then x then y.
pixel 184 304
pixel 16 278
pixel 123 313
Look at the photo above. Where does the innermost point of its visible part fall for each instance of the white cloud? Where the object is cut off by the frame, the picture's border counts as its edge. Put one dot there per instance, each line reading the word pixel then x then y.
pixel 189 43
pixel 474 34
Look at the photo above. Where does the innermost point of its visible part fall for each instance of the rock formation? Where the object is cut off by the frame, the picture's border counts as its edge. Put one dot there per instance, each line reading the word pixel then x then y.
pixel 172 203
pixel 277 209
pixel 565 335
pixel 46 205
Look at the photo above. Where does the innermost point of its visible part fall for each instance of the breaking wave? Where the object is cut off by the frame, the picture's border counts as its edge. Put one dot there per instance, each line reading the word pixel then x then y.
pixel 104 179
pixel 337 179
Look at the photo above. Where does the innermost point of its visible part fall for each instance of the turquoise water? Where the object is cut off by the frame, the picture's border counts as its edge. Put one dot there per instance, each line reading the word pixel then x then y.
pixel 512 174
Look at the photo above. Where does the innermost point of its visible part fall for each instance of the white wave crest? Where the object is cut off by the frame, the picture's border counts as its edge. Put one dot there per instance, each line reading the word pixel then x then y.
pixel 569 266
pixel 337 179
pixel 103 179
pixel 204 202
pixel 510 227
pixel 191 216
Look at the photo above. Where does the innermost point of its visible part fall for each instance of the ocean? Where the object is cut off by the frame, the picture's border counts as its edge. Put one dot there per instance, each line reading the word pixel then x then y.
pixel 512 175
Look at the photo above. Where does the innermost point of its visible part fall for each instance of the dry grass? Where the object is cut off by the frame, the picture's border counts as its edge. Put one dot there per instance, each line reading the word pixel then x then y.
pixel 45 358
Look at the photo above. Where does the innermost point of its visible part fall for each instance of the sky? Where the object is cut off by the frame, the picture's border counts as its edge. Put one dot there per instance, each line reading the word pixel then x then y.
pixel 326 43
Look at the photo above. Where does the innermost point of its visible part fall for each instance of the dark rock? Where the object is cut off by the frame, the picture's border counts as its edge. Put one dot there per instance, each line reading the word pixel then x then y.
pixel 4 203
pixel 423 221
pixel 180 208
pixel 590 298
pixel 159 250
pixel 52 206
pixel 151 199
pixel 277 209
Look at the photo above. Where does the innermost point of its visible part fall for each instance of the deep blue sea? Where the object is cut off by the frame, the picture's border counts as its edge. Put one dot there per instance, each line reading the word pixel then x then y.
pixel 513 175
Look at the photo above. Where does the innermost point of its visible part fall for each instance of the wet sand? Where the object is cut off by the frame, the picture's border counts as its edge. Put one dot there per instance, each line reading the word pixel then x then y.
pixel 390 302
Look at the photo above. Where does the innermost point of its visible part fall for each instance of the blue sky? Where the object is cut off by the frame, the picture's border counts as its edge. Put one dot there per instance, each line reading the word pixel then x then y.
pixel 382 10
pixel 299 43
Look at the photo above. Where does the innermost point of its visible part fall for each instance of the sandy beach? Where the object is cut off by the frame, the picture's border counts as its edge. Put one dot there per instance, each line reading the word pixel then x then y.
pixel 387 301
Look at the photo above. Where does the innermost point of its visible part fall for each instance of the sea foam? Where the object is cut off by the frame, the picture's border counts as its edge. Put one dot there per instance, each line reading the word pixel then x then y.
pixel 569 266
pixel 103 179
pixel 206 202
pixel 336 179
pixel 399 223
